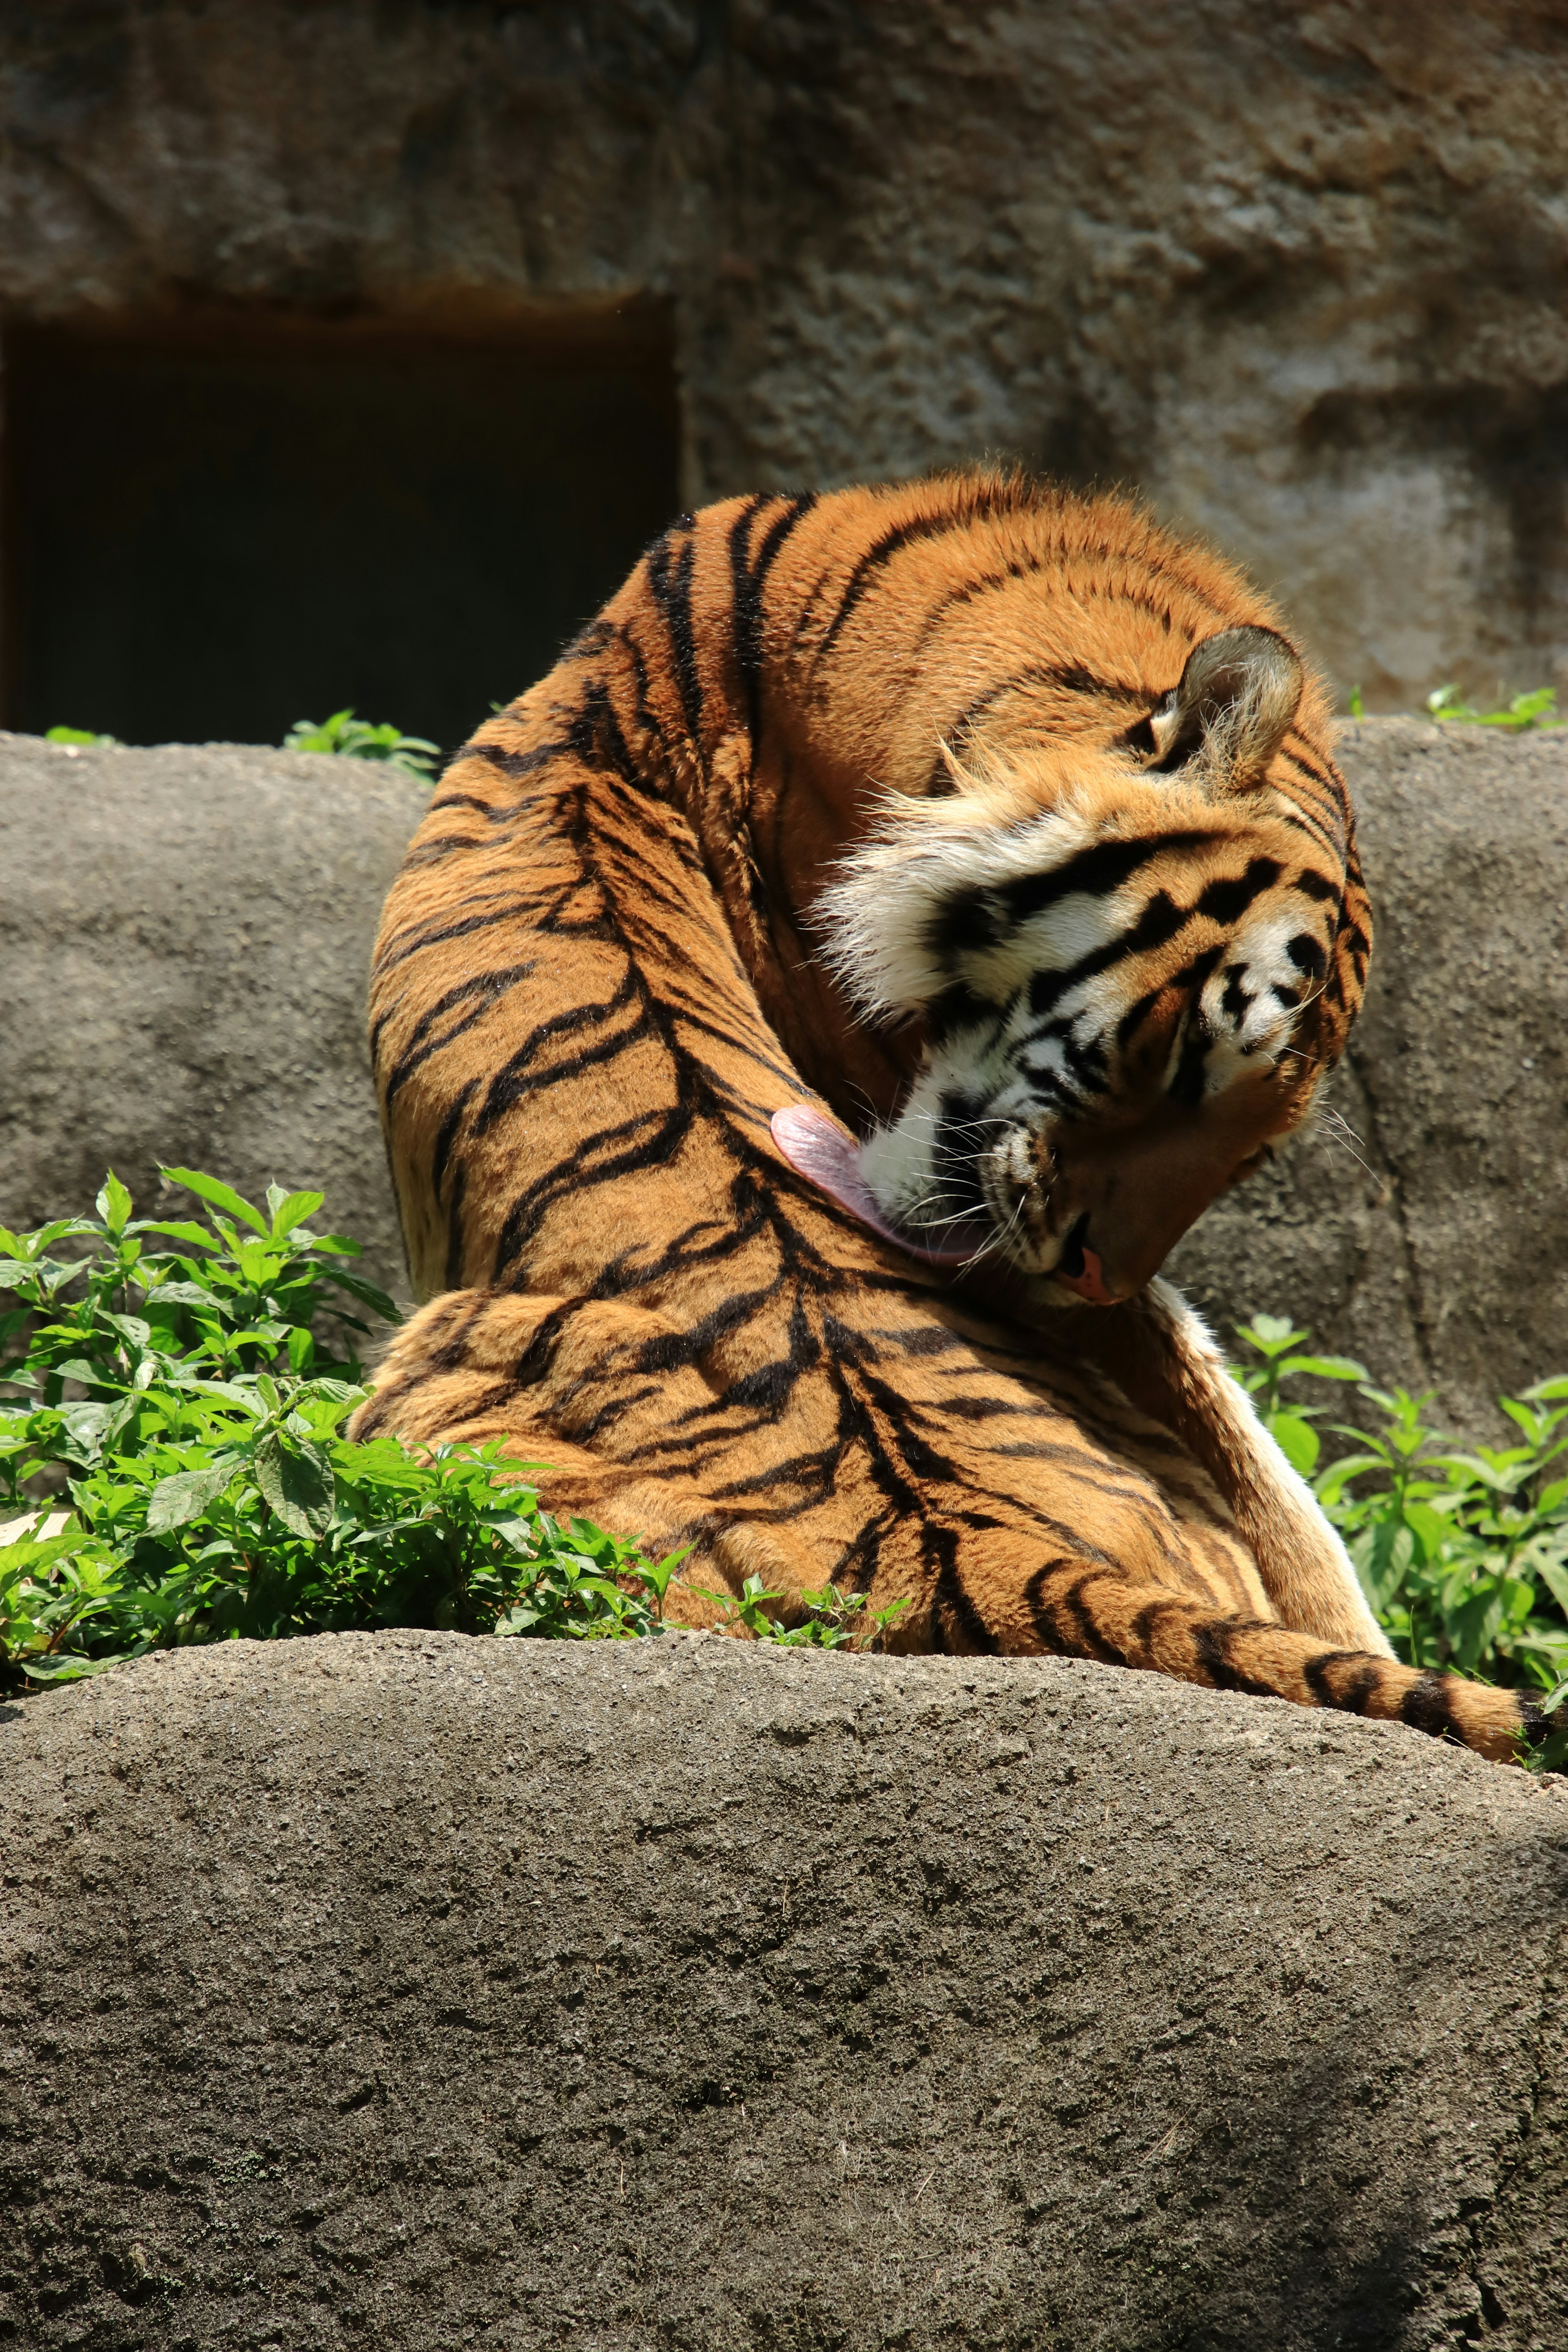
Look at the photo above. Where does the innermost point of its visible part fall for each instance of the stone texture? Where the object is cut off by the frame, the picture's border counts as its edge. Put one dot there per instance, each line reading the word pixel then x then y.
pixel 1422 1224
pixel 420 1991
pixel 1298 272
pixel 186 935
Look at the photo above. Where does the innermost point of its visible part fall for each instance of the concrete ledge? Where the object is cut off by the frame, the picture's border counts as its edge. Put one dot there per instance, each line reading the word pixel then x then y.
pixel 419 1991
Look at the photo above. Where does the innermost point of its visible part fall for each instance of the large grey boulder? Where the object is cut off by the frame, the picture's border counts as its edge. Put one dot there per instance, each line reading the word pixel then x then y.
pixel 1297 273
pixel 421 1992
pixel 185 938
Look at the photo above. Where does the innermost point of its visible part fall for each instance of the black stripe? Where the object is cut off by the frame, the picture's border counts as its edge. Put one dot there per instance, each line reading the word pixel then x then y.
pixel 1209 1642
pixel 1228 898
pixel 1068 676
pixel 479 992
pixel 970 591
pixel 748 576
pixel 406 945
pixel 1187 1081
pixel 1158 923
pixel 511 763
pixel 967 922
pixel 446 1136
pixel 1318 1674
pixel 1425 1705
pixel 981 503
pixel 672 593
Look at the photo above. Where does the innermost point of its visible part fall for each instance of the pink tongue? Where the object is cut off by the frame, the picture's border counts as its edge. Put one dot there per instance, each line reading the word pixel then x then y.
pixel 818 1148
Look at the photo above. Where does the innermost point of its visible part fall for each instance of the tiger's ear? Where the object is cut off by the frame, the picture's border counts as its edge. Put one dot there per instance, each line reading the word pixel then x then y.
pixel 1238 694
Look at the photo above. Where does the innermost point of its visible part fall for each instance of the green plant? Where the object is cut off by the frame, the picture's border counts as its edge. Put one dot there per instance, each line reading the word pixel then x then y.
pixel 1277 1341
pixel 1463 1555
pixel 1357 708
pixel 832 1620
pixel 172 1438
pixel 1534 709
pixel 348 738
pixel 80 735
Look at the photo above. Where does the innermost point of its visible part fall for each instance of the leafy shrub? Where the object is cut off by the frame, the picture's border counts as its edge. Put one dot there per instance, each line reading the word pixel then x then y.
pixel 1462 1554
pixel 348 737
pixel 186 1403
pixel 1538 709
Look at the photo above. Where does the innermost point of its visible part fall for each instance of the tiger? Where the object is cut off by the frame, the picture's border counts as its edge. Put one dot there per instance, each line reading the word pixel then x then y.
pixel 802 1024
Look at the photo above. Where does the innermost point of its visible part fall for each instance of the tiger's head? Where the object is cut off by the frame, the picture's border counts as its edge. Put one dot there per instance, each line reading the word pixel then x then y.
pixel 1130 968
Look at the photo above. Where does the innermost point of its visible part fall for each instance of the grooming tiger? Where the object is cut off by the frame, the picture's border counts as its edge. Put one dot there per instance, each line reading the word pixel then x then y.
pixel 1001 831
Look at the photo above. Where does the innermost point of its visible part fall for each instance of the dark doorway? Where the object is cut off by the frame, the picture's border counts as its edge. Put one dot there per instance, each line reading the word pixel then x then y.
pixel 216 529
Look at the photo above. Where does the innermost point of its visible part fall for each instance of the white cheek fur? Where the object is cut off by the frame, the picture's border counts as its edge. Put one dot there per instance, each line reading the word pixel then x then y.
pixel 877 920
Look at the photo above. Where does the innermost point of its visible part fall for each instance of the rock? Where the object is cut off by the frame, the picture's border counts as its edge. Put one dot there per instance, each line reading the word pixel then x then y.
pixel 419 1990
pixel 187 933
pixel 1299 277
pixel 1423 1224
pixel 186 937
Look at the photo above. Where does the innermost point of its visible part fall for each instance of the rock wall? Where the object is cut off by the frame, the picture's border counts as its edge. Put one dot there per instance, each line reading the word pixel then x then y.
pixel 419 1991
pixel 1299 273
pixel 186 934
pixel 187 938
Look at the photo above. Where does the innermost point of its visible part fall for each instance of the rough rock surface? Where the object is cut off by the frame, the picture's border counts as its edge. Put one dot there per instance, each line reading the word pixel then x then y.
pixel 1423 1223
pixel 1298 272
pixel 185 935
pixel 420 1991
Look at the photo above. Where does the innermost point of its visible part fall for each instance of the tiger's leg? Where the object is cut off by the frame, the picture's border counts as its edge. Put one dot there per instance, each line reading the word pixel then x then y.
pixel 1086 1608
pixel 1164 1359
pixel 479 1365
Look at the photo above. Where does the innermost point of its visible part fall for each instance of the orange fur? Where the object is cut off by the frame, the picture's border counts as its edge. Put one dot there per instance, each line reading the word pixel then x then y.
pixel 601 973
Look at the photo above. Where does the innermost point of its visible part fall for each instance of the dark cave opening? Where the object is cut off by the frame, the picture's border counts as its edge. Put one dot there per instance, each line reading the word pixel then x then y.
pixel 213 529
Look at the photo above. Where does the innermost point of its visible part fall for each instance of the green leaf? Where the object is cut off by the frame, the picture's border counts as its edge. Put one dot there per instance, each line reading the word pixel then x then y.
pixel 222 1196
pixel 70 1669
pixel 196 1235
pixel 176 1501
pixel 1270 1334
pixel 291 1208
pixel 80 735
pixel 1431 1530
pixel 175 1293
pixel 367 1293
pixel 298 1485
pixel 113 1204
pixel 1297 1440
pixel 1329 1368
pixel 27 1553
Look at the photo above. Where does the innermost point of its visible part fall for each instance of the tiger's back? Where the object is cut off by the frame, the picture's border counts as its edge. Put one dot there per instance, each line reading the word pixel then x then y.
pixel 603 969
